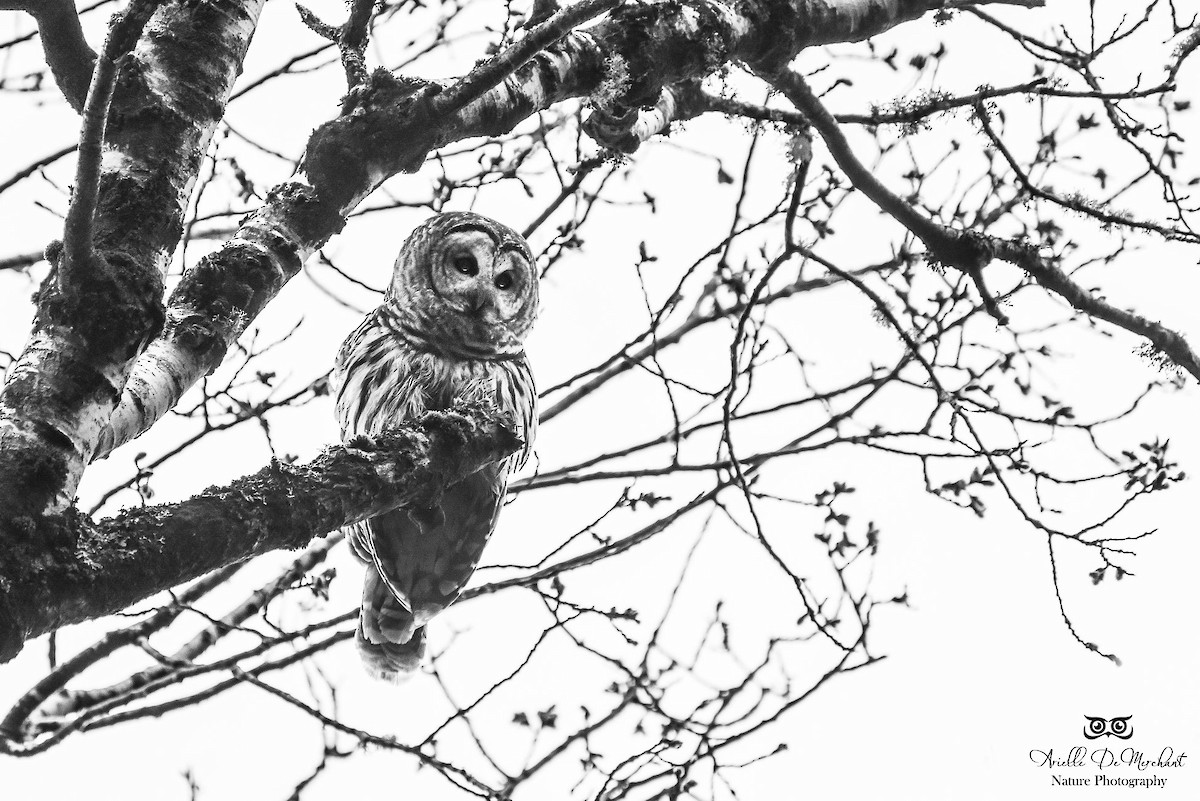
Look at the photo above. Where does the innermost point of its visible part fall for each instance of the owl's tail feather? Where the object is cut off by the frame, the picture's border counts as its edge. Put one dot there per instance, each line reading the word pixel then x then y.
pixel 389 641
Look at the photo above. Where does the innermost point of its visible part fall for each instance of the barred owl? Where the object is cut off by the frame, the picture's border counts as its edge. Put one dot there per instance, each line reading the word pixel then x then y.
pixel 463 295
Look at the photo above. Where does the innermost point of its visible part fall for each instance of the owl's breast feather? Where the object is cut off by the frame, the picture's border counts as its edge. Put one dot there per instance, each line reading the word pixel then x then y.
pixel 382 380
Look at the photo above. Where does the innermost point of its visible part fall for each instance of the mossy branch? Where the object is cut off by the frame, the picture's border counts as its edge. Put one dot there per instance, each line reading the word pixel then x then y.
pixel 121 560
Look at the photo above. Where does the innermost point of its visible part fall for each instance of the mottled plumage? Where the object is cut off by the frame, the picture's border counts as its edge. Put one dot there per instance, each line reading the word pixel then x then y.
pixel 462 297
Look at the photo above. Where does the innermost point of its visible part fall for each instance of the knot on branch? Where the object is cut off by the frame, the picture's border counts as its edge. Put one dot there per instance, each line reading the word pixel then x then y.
pixel 384 89
pixel 613 129
pixel 112 304
pixel 970 252
pixel 623 128
pixel 386 126
pixel 616 101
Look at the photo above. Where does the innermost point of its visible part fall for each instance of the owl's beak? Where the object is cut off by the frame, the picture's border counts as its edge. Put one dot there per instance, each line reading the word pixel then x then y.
pixel 478 303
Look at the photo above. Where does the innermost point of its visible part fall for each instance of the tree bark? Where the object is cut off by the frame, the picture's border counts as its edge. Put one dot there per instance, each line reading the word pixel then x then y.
pixel 124 559
pixel 169 96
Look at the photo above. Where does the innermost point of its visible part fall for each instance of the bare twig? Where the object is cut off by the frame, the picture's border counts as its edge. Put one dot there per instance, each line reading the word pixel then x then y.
pixel 350 38
pixel 971 252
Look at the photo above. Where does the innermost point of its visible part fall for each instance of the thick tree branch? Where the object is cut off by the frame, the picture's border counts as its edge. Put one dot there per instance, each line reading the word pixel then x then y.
pixel 67 53
pixel 124 559
pixel 491 72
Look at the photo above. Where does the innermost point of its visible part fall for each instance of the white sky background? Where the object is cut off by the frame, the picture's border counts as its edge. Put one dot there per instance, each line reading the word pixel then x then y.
pixel 979 671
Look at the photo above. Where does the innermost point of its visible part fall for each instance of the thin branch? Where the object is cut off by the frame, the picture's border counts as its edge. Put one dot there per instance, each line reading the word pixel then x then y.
pixel 350 38
pixel 969 251
pixel 1049 275
pixel 123 34
pixel 14 721
pixel 31 168
pixel 1072 202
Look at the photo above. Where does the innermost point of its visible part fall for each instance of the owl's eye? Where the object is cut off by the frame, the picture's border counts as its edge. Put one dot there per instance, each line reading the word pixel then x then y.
pixel 465 264
pixel 504 280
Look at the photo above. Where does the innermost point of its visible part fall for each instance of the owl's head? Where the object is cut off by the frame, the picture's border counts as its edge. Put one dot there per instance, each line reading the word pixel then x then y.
pixel 467 285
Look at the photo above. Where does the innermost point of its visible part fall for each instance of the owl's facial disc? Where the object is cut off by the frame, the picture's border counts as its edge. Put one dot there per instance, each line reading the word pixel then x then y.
pixel 480 281
pixel 466 286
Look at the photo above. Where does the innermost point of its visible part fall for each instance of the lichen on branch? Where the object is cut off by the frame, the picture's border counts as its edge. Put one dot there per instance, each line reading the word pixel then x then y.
pixel 167 97
pixel 100 568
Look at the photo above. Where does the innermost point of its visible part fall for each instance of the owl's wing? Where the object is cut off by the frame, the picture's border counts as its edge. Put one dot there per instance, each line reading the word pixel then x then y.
pixel 420 569
pixel 427 559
